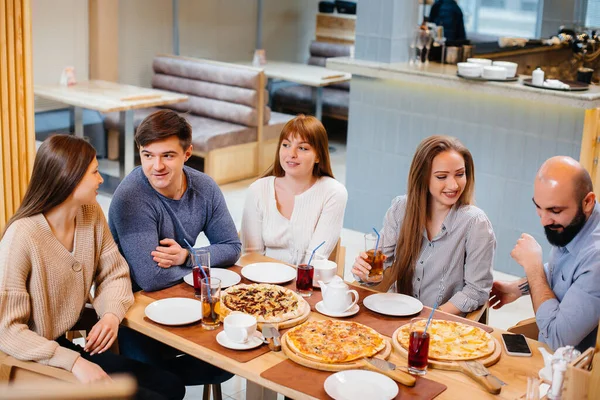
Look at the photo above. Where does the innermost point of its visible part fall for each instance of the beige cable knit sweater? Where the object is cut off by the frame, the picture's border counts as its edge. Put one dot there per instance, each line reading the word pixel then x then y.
pixel 44 287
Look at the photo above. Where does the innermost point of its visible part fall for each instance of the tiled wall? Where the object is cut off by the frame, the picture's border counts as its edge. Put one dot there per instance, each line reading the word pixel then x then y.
pixel 384 29
pixel 509 139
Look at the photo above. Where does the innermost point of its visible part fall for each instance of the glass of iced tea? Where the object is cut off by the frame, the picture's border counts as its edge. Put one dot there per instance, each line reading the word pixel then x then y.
pixel 211 299
pixel 418 347
pixel 200 259
pixel 374 257
pixel 304 279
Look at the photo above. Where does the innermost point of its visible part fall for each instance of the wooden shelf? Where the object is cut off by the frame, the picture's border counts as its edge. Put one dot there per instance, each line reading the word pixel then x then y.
pixel 336 28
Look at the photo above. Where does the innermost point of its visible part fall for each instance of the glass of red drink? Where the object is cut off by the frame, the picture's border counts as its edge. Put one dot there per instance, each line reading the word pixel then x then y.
pixel 304 279
pixel 200 259
pixel 418 347
pixel 197 278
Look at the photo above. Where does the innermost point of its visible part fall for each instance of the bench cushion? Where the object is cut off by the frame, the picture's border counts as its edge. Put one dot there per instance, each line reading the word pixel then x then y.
pixel 275 125
pixel 217 91
pixel 326 49
pixel 223 73
pixel 221 110
pixel 335 101
pixel 207 133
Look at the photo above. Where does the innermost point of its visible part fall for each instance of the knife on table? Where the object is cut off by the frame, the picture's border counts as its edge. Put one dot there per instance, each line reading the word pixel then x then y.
pixel 271 333
pixel 389 369
pixel 479 373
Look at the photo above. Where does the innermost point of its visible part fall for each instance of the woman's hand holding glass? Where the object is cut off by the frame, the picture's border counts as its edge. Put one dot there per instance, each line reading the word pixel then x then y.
pixel 361 267
pixel 102 335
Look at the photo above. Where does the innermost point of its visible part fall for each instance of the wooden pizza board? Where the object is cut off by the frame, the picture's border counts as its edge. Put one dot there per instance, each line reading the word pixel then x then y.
pixel 280 325
pixel 491 384
pixel 397 375
pixel 294 321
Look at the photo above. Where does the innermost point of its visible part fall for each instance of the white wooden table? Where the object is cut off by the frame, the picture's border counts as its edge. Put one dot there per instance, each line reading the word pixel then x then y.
pixel 109 97
pixel 310 75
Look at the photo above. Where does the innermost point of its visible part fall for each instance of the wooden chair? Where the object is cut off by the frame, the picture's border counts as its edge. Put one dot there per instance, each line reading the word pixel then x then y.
pixel 480 315
pixel 527 327
pixel 122 387
pixel 338 255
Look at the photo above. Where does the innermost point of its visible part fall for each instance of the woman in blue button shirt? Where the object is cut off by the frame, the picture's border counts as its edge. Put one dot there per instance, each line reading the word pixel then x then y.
pixel 438 246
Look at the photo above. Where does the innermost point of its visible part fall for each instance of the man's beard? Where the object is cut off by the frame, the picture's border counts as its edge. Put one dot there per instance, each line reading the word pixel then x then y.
pixel 561 239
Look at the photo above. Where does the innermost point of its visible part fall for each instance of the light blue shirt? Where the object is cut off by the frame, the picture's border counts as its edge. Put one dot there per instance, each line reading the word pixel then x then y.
pixel 573 273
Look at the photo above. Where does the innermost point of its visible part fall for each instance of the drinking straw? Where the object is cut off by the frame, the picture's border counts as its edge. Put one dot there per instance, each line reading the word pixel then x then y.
pixel 377 242
pixel 313 252
pixel 192 252
pixel 203 273
pixel 430 316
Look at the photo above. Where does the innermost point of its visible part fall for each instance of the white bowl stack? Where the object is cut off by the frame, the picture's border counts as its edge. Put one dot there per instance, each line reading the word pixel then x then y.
pixel 482 67
pixel 492 72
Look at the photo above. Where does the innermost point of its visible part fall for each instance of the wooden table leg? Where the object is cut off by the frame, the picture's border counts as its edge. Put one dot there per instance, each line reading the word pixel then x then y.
pixel 256 392
pixel 126 143
pixel 318 98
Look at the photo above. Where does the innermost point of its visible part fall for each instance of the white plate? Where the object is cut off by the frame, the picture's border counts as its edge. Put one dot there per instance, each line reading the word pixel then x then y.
pixel 394 304
pixel 174 311
pixel 320 306
pixel 227 277
pixel 253 341
pixel 269 272
pixel 358 385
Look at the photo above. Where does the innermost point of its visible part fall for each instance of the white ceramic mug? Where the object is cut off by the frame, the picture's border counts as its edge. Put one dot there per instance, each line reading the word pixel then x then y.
pixel 325 270
pixel 239 326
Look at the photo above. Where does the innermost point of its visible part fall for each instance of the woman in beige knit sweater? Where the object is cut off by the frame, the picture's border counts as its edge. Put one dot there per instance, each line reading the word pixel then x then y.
pixel 53 249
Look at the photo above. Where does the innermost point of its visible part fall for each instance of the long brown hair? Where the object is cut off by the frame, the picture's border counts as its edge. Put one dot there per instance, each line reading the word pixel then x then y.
pixel 60 164
pixel 312 131
pixel 410 239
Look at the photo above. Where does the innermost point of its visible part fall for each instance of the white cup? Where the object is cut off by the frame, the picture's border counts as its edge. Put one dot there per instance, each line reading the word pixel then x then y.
pixel 325 270
pixel 239 326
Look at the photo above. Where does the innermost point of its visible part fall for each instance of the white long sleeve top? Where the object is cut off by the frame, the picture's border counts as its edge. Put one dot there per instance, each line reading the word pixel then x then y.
pixel 318 216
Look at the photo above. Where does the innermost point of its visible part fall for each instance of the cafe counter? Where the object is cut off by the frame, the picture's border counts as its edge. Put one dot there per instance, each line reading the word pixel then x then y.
pixel 509 128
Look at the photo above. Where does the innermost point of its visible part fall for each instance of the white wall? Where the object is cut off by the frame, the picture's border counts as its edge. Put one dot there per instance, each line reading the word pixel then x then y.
pixel 217 29
pixel 222 30
pixel 145 29
pixel 60 39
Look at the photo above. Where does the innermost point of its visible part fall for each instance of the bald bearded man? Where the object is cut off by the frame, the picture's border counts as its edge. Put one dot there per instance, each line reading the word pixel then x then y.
pixel 565 292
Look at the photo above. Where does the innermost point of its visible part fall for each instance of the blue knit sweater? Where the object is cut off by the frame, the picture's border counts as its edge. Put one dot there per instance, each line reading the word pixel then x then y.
pixel 139 217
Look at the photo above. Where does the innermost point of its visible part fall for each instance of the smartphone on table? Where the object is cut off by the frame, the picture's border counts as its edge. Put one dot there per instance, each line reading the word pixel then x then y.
pixel 516 345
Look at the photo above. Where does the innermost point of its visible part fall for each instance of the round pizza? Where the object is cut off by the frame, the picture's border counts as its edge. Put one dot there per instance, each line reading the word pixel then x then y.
pixel 330 341
pixel 453 341
pixel 267 303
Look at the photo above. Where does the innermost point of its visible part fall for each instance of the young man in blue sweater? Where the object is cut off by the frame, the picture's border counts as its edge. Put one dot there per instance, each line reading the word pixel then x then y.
pixel 153 210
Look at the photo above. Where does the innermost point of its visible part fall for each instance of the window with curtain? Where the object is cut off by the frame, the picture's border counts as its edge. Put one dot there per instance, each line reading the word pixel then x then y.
pixel 515 18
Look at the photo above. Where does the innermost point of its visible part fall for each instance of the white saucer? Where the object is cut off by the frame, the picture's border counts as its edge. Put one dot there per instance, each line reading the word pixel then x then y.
pixel 358 385
pixel 253 341
pixel 320 306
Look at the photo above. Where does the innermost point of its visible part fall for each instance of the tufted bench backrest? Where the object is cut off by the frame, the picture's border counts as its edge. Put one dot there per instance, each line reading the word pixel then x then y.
pixel 216 90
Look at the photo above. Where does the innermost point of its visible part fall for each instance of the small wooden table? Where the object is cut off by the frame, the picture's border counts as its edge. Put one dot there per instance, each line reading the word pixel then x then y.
pixel 512 370
pixel 310 75
pixel 108 97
